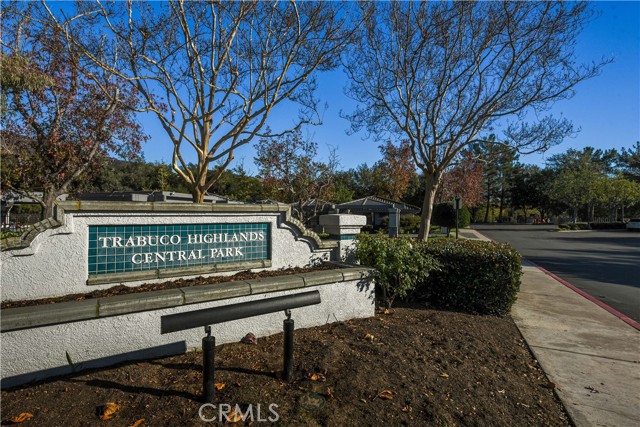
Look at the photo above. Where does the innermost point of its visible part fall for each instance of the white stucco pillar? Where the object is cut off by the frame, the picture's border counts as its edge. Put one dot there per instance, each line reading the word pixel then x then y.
pixel 344 228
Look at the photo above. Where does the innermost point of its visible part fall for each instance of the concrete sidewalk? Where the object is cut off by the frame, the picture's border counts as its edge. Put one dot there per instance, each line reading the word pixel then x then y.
pixel 591 356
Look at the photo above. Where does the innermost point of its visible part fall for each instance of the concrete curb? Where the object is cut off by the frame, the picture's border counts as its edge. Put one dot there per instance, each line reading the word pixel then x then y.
pixel 626 319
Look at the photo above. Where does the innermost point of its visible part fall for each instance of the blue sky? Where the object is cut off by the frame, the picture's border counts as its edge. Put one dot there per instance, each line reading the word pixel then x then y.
pixel 605 108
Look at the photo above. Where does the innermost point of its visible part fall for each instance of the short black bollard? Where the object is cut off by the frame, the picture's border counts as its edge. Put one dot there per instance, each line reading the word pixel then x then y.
pixel 208 357
pixel 288 347
pixel 216 315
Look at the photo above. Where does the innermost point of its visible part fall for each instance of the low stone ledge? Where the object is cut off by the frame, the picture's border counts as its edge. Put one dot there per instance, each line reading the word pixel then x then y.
pixel 50 314
pixel 120 206
pixel 274 284
pixel 132 303
pixel 72 311
pixel 358 273
pixel 321 277
pixel 218 291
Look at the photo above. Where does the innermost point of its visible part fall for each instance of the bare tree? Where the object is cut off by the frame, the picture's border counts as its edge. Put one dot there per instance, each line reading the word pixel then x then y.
pixel 211 71
pixel 439 74
pixel 290 173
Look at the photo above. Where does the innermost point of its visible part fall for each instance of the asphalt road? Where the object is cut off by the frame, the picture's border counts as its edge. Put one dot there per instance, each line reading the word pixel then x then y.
pixel 605 264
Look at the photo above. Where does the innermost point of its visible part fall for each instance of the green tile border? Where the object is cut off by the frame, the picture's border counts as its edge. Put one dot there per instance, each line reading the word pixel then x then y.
pixel 100 279
pixel 131 248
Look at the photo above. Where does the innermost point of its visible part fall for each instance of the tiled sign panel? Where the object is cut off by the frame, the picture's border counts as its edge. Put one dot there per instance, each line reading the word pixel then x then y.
pixel 127 248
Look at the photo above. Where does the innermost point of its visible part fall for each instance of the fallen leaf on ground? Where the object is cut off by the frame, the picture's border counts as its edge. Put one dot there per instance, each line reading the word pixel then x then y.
pixel 219 386
pixel 108 410
pixel 318 377
pixel 548 385
pixel 137 423
pixel 385 394
pixel 444 375
pixel 329 393
pixel 369 337
pixel 22 417
pixel 234 417
pixel 407 408
pixel 387 311
pixel 250 338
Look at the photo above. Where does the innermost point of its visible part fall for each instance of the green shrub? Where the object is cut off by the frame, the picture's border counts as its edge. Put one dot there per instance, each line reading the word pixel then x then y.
pixel 27 209
pixel 367 229
pixel 8 234
pixel 564 227
pixel 580 226
pixel 474 276
pixel 399 266
pixel 444 215
pixel 410 223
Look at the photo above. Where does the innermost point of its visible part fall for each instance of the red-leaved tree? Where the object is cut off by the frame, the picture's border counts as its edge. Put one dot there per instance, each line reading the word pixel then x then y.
pixel 464 180
pixel 57 134
pixel 396 168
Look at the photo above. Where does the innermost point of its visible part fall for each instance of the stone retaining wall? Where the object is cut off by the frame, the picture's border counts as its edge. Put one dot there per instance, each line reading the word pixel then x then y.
pixel 96 245
pixel 40 341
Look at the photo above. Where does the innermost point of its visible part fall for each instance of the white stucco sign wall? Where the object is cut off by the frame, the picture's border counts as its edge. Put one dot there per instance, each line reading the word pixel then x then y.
pixel 102 244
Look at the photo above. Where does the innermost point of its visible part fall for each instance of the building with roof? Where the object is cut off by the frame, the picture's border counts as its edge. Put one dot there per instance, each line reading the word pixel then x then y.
pixel 376 208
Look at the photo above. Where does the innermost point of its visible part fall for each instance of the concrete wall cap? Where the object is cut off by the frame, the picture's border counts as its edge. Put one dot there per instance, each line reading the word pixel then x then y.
pixel 215 292
pixel 51 314
pixel 274 284
pixel 343 220
pixel 131 303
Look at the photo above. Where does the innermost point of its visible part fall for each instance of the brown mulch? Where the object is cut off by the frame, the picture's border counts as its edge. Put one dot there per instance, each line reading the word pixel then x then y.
pixel 172 284
pixel 413 367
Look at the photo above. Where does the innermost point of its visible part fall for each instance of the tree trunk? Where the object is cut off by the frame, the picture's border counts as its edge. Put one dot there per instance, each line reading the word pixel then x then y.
pixel 501 204
pixel 198 195
pixel 430 190
pixel 486 212
pixel 48 198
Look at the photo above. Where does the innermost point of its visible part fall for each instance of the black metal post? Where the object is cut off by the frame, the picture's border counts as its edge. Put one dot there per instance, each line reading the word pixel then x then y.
pixel 288 347
pixel 457 209
pixel 208 373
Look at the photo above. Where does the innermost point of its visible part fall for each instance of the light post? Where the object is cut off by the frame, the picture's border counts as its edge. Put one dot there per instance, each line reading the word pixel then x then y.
pixel 458 205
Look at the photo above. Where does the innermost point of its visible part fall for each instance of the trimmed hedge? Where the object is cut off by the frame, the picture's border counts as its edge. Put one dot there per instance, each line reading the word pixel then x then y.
pixel 468 275
pixel 475 276
pixel 410 223
pixel 576 226
pixel 444 215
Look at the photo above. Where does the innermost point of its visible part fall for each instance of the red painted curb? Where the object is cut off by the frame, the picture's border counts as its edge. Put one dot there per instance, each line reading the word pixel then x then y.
pixel 626 319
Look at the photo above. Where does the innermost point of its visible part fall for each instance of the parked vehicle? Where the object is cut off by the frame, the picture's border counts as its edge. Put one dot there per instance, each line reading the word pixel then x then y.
pixel 633 224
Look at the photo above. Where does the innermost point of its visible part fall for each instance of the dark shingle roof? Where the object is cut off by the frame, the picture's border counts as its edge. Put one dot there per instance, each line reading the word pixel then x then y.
pixel 377 204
